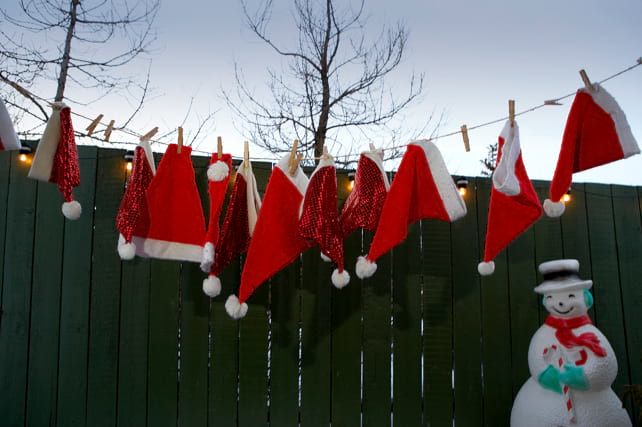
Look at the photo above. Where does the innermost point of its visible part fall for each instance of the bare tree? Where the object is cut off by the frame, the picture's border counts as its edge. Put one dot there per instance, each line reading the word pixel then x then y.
pixel 90 40
pixel 335 79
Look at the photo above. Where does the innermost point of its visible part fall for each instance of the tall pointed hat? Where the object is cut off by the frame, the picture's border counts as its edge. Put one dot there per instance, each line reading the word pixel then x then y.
pixel 8 138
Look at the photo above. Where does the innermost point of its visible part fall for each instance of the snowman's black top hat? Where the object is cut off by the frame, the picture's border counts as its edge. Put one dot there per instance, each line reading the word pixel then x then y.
pixel 561 275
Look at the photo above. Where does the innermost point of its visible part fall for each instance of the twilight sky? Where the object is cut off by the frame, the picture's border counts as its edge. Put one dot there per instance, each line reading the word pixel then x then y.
pixel 475 54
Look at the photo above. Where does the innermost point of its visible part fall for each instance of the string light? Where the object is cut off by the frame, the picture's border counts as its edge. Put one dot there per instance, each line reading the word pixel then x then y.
pixel 25 150
pixel 351 175
pixel 567 197
pixel 129 158
pixel 462 186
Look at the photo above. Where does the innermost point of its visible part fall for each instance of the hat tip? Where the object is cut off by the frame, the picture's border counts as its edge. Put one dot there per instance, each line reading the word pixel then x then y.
pixel 553 209
pixel 71 210
pixel 218 171
pixel 235 309
pixel 212 286
pixel 126 251
pixel 365 268
pixel 486 268
pixel 340 279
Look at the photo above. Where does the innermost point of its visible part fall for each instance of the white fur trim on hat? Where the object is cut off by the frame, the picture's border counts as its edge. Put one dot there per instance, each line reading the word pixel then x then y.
pixel 218 171
pixel 71 210
pixel 212 286
pixel 234 308
pixel 553 209
pixel 340 280
pixel 486 268
pixel 300 180
pixel 377 157
pixel 365 268
pixel 126 251
pixel 504 178
pixel 325 258
pixel 207 257
pixel 622 128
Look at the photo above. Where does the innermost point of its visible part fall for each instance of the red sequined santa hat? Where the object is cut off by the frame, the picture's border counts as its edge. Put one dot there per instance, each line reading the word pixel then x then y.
pixel 132 220
pixel 177 224
pixel 238 226
pixel 421 189
pixel 596 133
pixel 56 158
pixel 276 241
pixel 319 221
pixel 8 138
pixel 218 176
pixel 514 205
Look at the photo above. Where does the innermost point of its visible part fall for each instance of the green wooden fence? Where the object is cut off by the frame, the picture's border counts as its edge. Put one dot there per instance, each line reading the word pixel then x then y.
pixel 88 340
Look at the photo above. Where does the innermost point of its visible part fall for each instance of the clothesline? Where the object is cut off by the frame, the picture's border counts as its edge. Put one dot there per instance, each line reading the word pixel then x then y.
pixel 553 101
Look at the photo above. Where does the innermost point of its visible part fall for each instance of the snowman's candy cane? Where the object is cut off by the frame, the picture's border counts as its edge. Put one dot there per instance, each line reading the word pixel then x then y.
pixel 553 355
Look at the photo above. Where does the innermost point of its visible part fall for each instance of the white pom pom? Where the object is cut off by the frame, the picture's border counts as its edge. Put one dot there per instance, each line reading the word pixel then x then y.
pixel 71 210
pixel 325 258
pixel 207 257
pixel 218 171
pixel 365 268
pixel 212 286
pixel 486 268
pixel 340 280
pixel 553 209
pixel 234 308
pixel 127 251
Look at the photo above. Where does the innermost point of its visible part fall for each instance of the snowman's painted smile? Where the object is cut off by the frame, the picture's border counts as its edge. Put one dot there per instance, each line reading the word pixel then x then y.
pixel 563 312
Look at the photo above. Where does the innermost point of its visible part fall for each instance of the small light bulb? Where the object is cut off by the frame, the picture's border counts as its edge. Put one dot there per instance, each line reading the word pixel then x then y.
pixel 462 191
pixel 128 166
pixel 566 198
pixel 350 185
pixel 22 157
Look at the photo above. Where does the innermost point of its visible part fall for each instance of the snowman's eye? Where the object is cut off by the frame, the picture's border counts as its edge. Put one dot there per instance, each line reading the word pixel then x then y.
pixel 571 295
pixel 549 296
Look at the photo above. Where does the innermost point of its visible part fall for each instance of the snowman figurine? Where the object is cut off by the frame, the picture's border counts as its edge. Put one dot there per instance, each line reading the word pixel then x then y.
pixel 572 364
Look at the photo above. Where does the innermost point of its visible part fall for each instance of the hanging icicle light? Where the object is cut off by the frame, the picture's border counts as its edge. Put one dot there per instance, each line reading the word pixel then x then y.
pixel 462 186
pixel 129 158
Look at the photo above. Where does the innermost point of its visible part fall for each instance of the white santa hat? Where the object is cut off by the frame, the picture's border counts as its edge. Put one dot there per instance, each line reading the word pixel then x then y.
pixel 56 158
pixel 514 205
pixel 275 242
pixel 132 220
pixel 319 221
pixel 218 176
pixel 8 138
pixel 596 133
pixel 421 189
pixel 177 224
pixel 238 226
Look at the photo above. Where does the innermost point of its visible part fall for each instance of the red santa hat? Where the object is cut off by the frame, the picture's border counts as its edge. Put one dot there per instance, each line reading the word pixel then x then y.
pixel 8 138
pixel 276 241
pixel 319 222
pixel 56 158
pixel 218 176
pixel 421 189
pixel 596 133
pixel 132 220
pixel 514 205
pixel 238 226
pixel 177 224
pixel 363 206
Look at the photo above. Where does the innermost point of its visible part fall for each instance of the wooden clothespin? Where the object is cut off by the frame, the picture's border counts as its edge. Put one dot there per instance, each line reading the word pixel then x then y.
pixel 149 135
pixel 92 126
pixel 180 140
pixel 110 127
pixel 295 164
pixel 511 112
pixel 552 102
pixel 246 154
pixel 295 145
pixel 586 81
pixel 464 134
pixel 219 147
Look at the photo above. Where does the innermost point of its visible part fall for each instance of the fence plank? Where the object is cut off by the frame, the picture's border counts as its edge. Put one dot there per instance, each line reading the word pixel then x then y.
pixel 628 232
pixel 438 323
pixel 132 353
pixel 496 351
pixel 74 305
pixel 407 333
pixel 467 317
pixel 575 231
pixel 605 275
pixel 284 366
pixel 5 168
pixel 346 343
pixel 102 376
pixel 16 293
pixel 42 381
pixel 316 339
pixel 377 336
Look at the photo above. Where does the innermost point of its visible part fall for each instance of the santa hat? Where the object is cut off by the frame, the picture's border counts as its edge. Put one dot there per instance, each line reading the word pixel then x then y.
pixel 56 158
pixel 132 220
pixel 218 175
pixel 596 133
pixel 177 225
pixel 319 222
pixel 514 205
pixel 363 206
pixel 421 189
pixel 8 138
pixel 275 242
pixel 238 226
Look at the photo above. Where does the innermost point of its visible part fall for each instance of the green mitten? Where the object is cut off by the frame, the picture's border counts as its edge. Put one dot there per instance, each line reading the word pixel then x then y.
pixel 549 378
pixel 573 376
